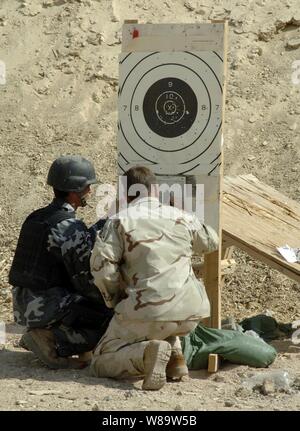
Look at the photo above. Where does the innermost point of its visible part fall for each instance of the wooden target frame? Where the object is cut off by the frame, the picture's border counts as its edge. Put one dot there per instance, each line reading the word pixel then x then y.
pixel 171 113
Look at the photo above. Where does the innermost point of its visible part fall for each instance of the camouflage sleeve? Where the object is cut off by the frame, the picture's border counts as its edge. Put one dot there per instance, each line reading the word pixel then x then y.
pixel 105 260
pixel 71 242
pixel 205 238
pixel 95 228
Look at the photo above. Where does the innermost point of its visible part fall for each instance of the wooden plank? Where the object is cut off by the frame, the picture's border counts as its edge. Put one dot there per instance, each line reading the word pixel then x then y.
pixel 267 251
pixel 263 196
pixel 228 266
pixel 226 254
pixel 258 218
pixel 275 233
pixel 213 363
pixel 265 258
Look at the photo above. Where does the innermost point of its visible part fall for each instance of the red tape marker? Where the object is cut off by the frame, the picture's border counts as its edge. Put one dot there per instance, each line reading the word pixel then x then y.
pixel 135 33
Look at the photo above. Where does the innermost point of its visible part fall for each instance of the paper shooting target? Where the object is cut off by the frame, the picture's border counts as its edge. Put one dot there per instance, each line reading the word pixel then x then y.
pixel 170 112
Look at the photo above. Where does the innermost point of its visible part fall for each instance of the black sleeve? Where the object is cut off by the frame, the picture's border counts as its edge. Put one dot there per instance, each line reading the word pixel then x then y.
pixel 71 242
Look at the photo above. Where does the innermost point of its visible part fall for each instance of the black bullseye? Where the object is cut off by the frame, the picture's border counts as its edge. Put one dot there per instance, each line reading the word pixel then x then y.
pixel 170 107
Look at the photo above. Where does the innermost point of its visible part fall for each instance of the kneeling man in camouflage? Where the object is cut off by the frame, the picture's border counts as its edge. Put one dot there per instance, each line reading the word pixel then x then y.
pixel 141 263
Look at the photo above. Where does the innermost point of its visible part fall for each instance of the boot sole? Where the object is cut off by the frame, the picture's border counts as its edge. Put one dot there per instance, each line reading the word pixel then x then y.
pixel 35 348
pixel 157 355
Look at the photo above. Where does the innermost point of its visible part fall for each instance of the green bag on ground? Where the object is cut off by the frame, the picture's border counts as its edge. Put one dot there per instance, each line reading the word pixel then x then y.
pixel 233 346
pixel 266 327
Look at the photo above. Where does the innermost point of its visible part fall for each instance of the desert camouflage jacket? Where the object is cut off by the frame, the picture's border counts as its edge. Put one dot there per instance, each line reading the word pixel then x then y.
pixel 141 262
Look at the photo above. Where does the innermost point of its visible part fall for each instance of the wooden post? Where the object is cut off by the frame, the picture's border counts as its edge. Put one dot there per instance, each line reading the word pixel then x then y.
pixel 213 363
pixel 227 253
pixel 130 21
pixel 212 261
pixel 212 282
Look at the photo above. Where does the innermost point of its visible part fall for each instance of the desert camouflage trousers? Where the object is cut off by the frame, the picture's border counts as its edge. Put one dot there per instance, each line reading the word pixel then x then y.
pixel 120 352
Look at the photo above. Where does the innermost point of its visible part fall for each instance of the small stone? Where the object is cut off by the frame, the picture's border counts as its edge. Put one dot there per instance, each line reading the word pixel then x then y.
pixel 293 43
pixel 178 407
pixel 293 348
pixel 266 33
pixel 296 19
pixel 265 143
pixel 41 393
pixel 251 158
pixel 96 98
pixel 21 402
pixel 107 398
pixel 252 119
pixel 95 39
pixel 296 383
pixel 267 387
pixel 228 403
pixel 128 394
pixel 69 71
pixel 3 21
pixel 243 392
pixel 95 408
pixel 238 31
pixel 219 379
pixel 115 18
pixel 189 6
pixel 185 378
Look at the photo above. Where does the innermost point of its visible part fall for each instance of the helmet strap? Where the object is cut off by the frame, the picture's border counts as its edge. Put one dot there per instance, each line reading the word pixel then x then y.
pixel 83 201
pixel 82 197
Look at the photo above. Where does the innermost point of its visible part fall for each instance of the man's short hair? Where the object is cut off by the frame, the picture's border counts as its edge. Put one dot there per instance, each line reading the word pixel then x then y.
pixel 140 175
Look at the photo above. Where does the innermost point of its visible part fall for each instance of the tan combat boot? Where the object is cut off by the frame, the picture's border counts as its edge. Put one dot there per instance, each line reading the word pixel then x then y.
pixel 156 357
pixel 176 368
pixel 42 343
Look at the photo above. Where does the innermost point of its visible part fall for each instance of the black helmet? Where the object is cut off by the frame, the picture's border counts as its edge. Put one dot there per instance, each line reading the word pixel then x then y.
pixel 71 174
